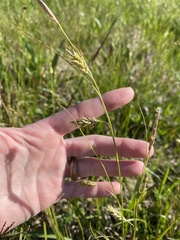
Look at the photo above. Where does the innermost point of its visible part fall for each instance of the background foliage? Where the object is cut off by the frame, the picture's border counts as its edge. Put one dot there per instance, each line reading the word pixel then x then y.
pixel 142 50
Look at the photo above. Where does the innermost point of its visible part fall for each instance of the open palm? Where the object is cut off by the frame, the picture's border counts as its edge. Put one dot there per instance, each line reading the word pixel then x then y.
pixel 34 160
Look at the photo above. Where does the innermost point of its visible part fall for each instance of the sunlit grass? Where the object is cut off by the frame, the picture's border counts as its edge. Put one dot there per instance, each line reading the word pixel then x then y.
pixel 142 50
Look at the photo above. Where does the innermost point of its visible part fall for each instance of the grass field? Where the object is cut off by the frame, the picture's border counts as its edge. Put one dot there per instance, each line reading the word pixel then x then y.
pixel 139 44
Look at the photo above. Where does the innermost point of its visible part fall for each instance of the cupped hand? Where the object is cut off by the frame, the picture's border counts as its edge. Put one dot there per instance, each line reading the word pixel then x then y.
pixel 34 160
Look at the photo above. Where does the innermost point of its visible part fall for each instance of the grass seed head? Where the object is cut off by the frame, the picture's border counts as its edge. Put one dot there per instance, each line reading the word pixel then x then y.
pixel 48 11
pixel 86 122
pixel 87 183
pixel 78 61
pixel 115 212
pixel 154 129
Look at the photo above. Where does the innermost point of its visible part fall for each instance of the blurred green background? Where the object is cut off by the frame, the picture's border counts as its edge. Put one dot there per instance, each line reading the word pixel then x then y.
pixel 139 46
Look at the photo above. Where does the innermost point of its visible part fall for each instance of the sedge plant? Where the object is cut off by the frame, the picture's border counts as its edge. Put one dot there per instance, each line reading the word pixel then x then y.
pixel 127 218
pixel 76 59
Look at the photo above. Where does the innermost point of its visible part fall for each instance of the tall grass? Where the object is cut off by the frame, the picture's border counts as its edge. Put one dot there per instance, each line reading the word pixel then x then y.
pixel 141 50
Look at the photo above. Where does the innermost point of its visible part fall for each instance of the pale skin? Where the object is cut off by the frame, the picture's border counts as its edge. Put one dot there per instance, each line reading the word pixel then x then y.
pixel 34 160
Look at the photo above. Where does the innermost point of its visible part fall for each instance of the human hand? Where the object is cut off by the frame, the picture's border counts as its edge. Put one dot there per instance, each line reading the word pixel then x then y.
pixel 34 165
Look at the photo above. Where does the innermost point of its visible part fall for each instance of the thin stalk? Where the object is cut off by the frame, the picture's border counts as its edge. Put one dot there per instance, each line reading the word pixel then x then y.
pixel 142 191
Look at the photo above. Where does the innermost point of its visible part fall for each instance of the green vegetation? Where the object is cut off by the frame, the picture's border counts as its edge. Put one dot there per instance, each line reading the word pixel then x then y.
pixel 139 45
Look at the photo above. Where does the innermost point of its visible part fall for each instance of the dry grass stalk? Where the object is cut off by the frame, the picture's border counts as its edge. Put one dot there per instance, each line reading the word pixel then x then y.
pixel 144 181
pixel 154 129
pixel 48 11
pixel 5 228
pixel 52 16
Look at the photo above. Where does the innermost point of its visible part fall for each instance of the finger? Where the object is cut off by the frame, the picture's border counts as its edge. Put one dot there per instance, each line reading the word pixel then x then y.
pixel 103 145
pixel 87 167
pixel 62 121
pixel 101 189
